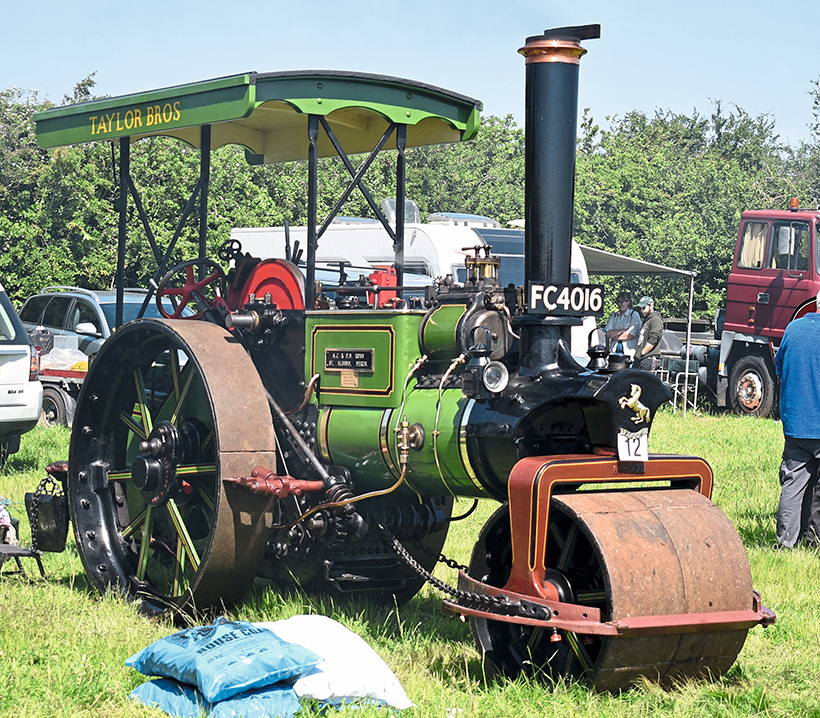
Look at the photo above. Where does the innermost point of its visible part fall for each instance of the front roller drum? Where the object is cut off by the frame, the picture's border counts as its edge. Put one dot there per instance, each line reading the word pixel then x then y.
pixel 640 553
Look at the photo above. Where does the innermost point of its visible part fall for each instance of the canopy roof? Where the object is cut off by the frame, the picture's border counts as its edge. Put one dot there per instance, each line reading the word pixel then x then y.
pixel 600 261
pixel 268 113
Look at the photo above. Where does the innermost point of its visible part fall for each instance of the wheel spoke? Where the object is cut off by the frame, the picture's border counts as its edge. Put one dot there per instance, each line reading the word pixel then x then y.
pixel 182 533
pixel 182 397
pixel 568 548
pixel 579 651
pixel 142 560
pixel 133 426
pixel 196 469
pixel 175 373
pixel 179 568
pixel 128 530
pixel 592 596
pixel 142 407
pixel 209 502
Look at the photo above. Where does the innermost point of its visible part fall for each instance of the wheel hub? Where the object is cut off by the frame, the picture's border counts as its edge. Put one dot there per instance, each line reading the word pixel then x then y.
pixel 560 582
pixel 750 391
pixel 154 471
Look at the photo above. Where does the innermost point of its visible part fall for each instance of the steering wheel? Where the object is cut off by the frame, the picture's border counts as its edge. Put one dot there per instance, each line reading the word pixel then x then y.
pixel 204 294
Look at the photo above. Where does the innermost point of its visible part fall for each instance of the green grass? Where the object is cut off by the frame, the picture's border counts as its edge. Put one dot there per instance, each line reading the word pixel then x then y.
pixel 62 647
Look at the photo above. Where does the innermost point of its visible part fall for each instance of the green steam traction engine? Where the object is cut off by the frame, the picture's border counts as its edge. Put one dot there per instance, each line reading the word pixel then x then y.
pixel 325 446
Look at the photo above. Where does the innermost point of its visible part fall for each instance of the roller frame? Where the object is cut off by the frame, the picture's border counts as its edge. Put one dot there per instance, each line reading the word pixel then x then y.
pixel 533 601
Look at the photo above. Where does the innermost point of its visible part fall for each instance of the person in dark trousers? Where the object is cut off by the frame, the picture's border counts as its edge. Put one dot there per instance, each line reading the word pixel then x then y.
pixel 648 353
pixel 797 363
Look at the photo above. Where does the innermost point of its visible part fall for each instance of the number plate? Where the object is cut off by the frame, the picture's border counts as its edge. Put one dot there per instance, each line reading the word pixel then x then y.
pixel 633 446
pixel 567 300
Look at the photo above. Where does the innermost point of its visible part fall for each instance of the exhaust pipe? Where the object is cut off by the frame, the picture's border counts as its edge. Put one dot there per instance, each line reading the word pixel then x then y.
pixel 551 127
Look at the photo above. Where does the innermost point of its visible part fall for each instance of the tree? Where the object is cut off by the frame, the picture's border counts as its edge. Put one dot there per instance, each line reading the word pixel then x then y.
pixel 670 189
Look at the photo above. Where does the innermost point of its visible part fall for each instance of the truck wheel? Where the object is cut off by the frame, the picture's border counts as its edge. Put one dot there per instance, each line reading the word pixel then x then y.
pixel 54 408
pixel 751 387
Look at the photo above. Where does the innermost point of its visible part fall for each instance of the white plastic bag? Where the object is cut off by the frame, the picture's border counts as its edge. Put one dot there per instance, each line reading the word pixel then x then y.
pixel 350 670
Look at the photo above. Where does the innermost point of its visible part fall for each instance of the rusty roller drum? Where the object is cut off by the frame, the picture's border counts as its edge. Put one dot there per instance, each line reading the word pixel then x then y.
pixel 634 553
pixel 173 538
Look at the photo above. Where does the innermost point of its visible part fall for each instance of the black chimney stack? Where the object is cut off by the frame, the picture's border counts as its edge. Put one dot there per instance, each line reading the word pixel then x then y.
pixel 551 128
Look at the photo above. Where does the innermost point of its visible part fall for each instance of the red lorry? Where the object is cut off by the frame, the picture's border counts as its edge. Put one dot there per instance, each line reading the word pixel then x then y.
pixel 775 274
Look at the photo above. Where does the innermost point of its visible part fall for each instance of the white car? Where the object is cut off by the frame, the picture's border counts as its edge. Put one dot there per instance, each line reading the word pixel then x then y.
pixel 21 394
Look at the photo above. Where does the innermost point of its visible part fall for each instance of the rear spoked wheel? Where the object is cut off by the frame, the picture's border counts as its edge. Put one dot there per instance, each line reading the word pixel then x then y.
pixel 156 431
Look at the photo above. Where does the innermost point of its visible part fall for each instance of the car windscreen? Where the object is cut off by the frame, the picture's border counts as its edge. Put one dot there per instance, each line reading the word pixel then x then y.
pixel 131 309
pixel 11 328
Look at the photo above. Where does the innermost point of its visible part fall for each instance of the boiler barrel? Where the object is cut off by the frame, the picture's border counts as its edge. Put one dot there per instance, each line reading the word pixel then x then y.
pixel 365 441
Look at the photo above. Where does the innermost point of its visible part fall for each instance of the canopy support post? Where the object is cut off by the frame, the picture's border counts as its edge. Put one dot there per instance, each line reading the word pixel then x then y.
pixel 149 233
pixel 357 179
pixel 313 175
pixel 160 270
pixel 205 177
pixel 122 231
pixel 398 242
pixel 688 344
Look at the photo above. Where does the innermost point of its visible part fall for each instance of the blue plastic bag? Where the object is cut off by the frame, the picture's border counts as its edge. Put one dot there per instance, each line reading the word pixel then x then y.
pixel 225 658
pixel 183 701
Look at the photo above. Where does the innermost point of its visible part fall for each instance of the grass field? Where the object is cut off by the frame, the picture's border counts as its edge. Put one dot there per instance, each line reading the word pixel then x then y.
pixel 62 647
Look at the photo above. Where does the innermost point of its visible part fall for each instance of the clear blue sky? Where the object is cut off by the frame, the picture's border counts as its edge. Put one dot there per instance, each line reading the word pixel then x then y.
pixel 760 55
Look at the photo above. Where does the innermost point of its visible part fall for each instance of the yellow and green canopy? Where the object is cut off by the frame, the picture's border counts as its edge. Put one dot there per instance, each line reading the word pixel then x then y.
pixel 267 113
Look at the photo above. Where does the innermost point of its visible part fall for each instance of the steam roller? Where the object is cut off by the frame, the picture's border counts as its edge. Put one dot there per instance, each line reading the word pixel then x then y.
pixel 318 435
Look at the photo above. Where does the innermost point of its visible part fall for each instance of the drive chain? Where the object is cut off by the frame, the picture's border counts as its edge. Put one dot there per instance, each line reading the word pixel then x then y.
pixel 440 557
pixel 461 596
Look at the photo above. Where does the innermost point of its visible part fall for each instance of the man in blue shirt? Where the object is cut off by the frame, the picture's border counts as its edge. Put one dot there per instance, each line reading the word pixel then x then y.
pixel 798 365
pixel 624 326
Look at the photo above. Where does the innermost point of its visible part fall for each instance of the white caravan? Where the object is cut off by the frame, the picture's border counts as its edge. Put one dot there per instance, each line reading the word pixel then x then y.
pixel 435 249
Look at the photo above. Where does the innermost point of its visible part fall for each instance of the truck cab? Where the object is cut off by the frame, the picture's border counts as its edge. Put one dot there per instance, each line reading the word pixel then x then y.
pixel 776 270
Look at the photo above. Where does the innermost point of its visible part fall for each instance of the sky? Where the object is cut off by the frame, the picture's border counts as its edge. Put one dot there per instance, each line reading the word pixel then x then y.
pixel 652 55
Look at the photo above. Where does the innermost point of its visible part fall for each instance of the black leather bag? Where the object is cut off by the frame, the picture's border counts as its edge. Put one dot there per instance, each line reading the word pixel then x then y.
pixel 47 510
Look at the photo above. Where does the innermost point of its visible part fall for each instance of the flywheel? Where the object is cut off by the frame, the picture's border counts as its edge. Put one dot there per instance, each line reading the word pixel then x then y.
pixel 169 410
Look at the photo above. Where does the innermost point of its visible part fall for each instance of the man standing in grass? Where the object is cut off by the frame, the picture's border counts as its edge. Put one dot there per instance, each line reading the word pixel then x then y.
pixel 648 353
pixel 798 365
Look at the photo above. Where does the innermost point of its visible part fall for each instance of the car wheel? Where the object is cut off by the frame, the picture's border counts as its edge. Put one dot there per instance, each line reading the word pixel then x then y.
pixel 54 408
pixel 751 387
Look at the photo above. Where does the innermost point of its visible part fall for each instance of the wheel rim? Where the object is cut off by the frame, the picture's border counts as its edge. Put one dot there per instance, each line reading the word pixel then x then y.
pixel 628 553
pixel 750 391
pixel 162 526
pixel 50 411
